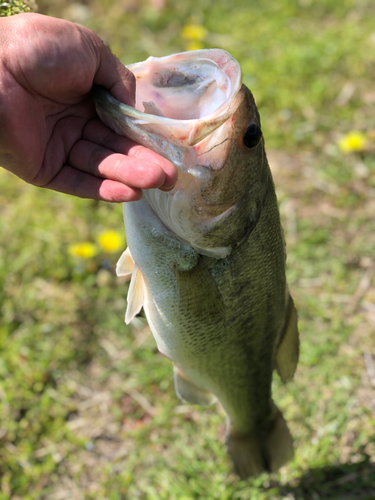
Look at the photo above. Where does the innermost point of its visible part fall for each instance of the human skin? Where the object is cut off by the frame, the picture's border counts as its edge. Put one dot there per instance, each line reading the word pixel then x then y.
pixel 50 134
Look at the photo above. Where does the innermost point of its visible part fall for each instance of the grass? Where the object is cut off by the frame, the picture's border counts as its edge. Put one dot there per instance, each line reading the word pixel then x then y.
pixel 87 406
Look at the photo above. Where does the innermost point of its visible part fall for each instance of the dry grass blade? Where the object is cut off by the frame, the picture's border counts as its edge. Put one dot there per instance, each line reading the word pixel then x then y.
pixel 363 285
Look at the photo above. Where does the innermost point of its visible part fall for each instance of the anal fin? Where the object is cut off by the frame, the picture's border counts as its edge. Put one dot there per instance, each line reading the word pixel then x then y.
pixel 187 391
pixel 136 294
pixel 288 349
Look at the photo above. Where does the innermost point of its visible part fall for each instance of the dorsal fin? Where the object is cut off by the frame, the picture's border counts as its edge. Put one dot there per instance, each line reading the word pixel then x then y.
pixel 136 294
pixel 125 264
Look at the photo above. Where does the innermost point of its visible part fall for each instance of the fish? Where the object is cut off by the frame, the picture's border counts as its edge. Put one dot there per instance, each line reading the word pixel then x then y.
pixel 207 259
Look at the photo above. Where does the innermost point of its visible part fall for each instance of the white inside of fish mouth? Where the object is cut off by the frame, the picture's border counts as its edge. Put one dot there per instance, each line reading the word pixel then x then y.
pixel 181 90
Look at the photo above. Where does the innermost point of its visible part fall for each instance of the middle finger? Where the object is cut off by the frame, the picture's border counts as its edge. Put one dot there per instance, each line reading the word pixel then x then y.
pixel 101 162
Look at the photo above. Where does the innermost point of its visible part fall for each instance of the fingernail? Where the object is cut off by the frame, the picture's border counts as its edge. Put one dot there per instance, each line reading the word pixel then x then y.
pixel 166 189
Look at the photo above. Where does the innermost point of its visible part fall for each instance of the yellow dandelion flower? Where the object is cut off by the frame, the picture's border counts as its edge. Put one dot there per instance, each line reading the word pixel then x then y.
pixel 353 141
pixel 194 32
pixel 111 241
pixel 84 250
pixel 194 45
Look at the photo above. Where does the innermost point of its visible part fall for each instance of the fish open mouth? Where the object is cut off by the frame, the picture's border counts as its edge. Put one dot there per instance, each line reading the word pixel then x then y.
pixel 187 86
pixel 183 97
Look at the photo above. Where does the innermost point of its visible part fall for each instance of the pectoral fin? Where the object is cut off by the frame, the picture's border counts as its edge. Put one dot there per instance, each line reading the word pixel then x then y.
pixel 136 294
pixel 125 264
pixel 199 292
pixel 288 349
pixel 189 392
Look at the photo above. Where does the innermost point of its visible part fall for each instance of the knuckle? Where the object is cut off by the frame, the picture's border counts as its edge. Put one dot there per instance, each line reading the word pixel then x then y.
pixel 109 140
pixel 90 128
pixel 137 152
pixel 78 182
pixel 96 157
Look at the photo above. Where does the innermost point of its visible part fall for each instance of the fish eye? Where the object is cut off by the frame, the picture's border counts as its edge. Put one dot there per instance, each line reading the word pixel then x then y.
pixel 252 135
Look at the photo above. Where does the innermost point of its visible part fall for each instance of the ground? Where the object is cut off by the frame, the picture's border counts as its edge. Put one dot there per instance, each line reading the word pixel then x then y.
pixel 88 409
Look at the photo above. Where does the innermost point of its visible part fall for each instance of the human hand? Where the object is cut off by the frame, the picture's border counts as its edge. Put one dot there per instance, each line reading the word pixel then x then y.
pixel 50 134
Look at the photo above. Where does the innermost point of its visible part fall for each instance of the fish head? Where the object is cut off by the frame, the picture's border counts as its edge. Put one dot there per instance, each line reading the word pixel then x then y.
pixel 193 109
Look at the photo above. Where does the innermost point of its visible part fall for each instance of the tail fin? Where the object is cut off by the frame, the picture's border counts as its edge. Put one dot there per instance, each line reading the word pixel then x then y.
pixel 258 452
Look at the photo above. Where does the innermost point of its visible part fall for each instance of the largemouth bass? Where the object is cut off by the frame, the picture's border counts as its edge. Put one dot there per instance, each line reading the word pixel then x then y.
pixel 208 258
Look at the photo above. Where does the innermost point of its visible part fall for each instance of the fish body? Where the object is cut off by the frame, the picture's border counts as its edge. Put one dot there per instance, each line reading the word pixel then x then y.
pixel 208 258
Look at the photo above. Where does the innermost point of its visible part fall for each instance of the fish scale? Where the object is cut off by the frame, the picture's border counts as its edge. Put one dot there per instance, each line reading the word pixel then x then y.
pixel 208 258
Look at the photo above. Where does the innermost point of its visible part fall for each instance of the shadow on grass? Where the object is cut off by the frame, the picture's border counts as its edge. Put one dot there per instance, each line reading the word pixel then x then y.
pixel 350 481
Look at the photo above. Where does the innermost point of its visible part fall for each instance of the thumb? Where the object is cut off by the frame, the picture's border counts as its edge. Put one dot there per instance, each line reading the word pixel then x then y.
pixel 113 75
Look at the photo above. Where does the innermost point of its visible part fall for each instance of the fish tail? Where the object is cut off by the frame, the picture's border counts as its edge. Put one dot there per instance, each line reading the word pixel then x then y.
pixel 260 451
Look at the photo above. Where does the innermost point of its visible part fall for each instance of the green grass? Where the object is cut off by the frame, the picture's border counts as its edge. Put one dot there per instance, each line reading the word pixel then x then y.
pixel 87 406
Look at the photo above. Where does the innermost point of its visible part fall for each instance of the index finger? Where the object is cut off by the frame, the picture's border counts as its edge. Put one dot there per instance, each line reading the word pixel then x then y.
pixel 98 133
